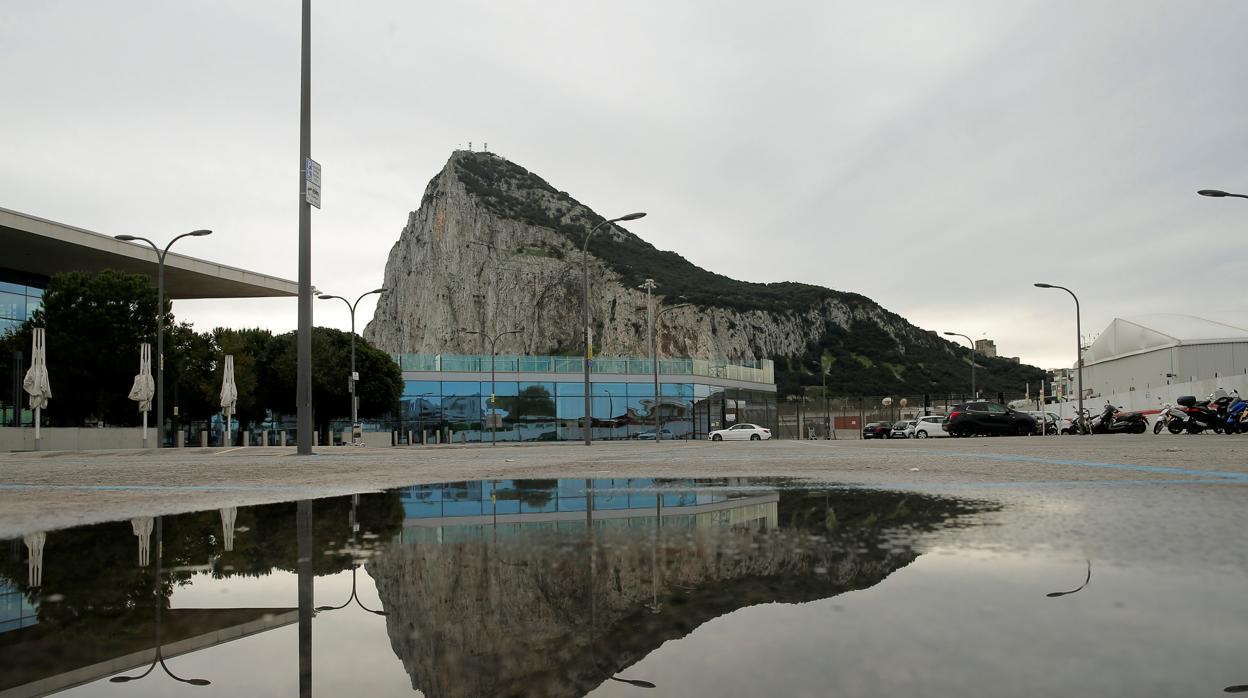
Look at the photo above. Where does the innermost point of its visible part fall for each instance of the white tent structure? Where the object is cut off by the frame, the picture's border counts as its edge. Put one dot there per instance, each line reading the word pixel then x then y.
pixel 144 388
pixel 229 395
pixel 36 382
pixel 1145 352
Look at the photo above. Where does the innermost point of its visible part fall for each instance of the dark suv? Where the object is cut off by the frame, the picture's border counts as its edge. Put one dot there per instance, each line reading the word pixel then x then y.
pixel 978 418
pixel 877 430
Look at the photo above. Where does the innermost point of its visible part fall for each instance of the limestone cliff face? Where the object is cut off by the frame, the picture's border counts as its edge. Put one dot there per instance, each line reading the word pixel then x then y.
pixel 494 248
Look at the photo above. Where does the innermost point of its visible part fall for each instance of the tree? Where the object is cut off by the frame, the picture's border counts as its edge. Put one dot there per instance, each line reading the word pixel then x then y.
pixel 95 323
pixel 380 385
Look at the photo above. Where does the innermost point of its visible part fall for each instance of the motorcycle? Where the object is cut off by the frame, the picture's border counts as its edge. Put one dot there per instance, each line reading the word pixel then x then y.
pixel 1172 418
pixel 1077 425
pixel 1207 414
pixel 1236 414
pixel 1112 421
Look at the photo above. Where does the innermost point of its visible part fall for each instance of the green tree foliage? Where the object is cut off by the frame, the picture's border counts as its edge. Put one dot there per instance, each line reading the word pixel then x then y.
pixel 380 384
pixel 95 324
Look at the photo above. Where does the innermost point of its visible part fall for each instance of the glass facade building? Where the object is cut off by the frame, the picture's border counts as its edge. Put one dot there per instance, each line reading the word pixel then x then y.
pixel 542 398
pixel 20 296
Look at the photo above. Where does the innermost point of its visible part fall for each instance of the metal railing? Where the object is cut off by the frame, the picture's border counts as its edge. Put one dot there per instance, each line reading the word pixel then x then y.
pixel 753 371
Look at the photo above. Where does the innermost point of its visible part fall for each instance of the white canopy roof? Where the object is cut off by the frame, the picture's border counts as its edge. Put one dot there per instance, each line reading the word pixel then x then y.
pixel 1141 333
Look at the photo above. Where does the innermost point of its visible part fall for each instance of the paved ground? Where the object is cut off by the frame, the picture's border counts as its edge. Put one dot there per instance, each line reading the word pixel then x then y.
pixel 55 490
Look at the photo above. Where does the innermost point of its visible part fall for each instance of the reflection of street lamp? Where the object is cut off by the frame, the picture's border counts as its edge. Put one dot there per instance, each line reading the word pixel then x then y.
pixel 493 341
pixel 1217 194
pixel 1055 594
pixel 355 528
pixel 593 551
pixel 160 324
pixel 971 342
pixel 160 605
pixel 589 342
pixel 355 399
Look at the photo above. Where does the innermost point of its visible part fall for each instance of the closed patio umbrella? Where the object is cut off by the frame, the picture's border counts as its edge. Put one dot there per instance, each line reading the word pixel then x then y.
pixel 229 395
pixel 144 386
pixel 36 382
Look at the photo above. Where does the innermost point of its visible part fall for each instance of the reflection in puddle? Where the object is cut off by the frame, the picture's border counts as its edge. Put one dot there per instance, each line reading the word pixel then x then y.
pixel 572 587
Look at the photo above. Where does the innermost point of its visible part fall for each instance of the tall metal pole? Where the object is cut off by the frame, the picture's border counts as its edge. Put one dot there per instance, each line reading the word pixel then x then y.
pixel 974 393
pixel 352 382
pixel 1078 347
pixel 650 285
pixel 303 381
pixel 589 340
pixel 493 343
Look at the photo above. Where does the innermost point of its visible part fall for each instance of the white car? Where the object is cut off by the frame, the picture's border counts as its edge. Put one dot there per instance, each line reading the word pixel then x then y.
pixel 929 426
pixel 741 432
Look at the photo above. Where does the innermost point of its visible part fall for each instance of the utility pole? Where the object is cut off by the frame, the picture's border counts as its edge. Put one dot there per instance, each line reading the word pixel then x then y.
pixel 650 285
pixel 303 380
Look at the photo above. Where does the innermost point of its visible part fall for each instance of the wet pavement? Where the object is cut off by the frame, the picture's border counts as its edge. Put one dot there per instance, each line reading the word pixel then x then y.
pixel 1117 578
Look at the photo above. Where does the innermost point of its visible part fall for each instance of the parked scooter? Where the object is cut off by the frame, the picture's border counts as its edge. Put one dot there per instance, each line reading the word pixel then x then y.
pixel 1207 414
pixel 1172 418
pixel 1079 424
pixel 1112 421
pixel 1236 414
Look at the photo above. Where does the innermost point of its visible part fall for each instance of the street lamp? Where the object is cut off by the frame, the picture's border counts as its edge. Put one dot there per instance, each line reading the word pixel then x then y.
pixel 972 343
pixel 1218 194
pixel 493 341
pixel 355 528
pixel 160 323
pixel 589 342
pixel 351 381
pixel 1078 348
pixel 1056 594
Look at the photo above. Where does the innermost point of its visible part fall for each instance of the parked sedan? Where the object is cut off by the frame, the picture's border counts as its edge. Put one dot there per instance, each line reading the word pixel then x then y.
pixel 741 432
pixel 984 418
pixel 901 430
pixel 665 435
pixel 929 426
pixel 877 430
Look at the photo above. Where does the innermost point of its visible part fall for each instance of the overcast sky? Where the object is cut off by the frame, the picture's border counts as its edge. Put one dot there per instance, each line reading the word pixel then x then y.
pixel 938 157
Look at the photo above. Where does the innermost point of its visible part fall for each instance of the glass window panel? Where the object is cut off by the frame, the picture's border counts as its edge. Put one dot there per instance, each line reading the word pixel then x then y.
pixel 684 390
pixel 422 389
pixel 641 389
pixel 467 507
pixel 466 388
pixel 422 510
pixel 13 288
pixel 9 326
pixel 569 389
pixel 12 305
pixel 616 390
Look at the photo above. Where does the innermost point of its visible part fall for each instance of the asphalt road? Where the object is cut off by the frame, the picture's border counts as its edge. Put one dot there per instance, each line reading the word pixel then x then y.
pixel 1179 499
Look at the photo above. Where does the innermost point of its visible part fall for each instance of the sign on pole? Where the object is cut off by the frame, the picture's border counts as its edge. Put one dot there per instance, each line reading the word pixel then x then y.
pixel 312 182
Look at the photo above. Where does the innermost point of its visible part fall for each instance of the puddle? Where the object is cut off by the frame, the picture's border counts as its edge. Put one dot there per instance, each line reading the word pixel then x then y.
pixel 600 587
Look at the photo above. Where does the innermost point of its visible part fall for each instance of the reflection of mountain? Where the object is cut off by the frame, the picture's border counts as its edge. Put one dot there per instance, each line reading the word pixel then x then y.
pixel 542 609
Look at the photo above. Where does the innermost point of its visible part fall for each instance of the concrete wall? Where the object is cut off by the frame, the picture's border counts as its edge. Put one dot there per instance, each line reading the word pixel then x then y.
pixel 64 439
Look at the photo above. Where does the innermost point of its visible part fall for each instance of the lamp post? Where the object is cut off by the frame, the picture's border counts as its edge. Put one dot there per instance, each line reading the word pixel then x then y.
pixel 355 529
pixel 493 341
pixel 654 360
pixel 1218 194
pixel 1078 348
pixel 972 343
pixel 160 323
pixel 352 379
pixel 589 342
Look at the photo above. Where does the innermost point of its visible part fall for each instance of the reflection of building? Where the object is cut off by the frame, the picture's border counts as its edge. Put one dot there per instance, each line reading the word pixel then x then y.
pixel 536 603
pixel 541 398
pixel 41 661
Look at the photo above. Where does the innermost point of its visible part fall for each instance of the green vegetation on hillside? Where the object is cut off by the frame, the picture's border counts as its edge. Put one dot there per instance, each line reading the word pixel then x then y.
pixel 865 359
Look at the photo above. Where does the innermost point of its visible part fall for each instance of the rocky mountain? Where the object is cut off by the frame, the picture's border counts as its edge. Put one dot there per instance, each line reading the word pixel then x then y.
pixel 494 247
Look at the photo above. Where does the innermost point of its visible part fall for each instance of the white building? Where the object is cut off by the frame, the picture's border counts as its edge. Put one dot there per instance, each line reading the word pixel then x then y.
pixel 1142 361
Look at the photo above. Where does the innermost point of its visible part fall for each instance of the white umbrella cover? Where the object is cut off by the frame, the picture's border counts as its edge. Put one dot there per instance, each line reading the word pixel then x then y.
pixel 34 563
pixel 144 388
pixel 229 394
pixel 36 382
pixel 144 385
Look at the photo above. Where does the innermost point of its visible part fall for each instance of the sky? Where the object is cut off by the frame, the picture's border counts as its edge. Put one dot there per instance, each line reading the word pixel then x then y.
pixel 938 158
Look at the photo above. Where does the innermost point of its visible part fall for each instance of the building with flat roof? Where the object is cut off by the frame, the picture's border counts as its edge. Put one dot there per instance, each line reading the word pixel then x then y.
pixel 34 249
pixel 542 398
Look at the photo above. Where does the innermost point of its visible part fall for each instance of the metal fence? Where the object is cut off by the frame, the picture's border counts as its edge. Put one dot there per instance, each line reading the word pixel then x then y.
pixel 843 417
